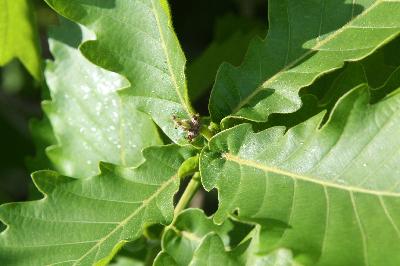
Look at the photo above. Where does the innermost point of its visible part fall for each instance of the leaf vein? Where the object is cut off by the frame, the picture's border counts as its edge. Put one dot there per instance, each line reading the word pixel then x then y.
pixel 389 217
pixel 317 46
pixel 145 203
pixel 362 233
pixel 310 179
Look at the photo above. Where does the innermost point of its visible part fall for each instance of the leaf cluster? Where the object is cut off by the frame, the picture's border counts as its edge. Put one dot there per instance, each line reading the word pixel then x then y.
pixel 301 142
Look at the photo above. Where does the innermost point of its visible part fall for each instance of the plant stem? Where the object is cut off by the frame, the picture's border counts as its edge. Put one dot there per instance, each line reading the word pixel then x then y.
pixel 187 194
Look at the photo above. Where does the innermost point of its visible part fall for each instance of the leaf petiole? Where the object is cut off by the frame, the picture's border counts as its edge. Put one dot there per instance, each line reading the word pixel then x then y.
pixel 187 195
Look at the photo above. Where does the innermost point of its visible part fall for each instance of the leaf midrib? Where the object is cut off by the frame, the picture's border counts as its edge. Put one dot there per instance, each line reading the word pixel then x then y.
pixel 311 179
pixel 144 204
pixel 265 85
pixel 164 47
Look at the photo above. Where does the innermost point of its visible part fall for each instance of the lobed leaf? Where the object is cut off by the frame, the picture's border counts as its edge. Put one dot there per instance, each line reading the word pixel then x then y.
pixel 87 115
pixel 335 189
pixel 376 70
pixel 86 221
pixel 181 240
pixel 305 40
pixel 196 240
pixel 212 251
pixel 136 40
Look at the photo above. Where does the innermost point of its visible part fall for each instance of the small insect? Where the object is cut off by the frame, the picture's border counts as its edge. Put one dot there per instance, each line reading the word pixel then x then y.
pixel 191 126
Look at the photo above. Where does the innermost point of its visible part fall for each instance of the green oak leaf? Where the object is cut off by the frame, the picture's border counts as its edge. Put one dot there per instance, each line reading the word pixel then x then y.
pixel 375 70
pixel 18 35
pixel 86 221
pixel 231 37
pixel 86 113
pixel 182 239
pixel 335 188
pixel 305 40
pixel 196 240
pixel 136 40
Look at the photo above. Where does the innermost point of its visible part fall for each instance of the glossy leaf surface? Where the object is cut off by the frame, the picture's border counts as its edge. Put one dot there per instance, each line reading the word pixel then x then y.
pixel 196 240
pixel 86 113
pixel 136 40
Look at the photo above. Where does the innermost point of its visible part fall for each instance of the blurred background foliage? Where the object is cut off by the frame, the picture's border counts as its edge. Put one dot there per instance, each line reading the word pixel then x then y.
pixel 210 32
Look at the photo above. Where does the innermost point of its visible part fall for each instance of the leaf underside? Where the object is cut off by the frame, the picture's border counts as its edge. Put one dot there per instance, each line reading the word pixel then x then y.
pixel 377 71
pixel 336 188
pixel 196 240
pixel 325 192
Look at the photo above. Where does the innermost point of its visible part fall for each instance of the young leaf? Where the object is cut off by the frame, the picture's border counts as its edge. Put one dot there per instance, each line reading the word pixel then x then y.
pixel 305 40
pixel 212 252
pixel 86 221
pixel 374 70
pixel 136 39
pixel 18 35
pixel 336 187
pixel 381 76
pixel 196 240
pixel 86 113
pixel 139 252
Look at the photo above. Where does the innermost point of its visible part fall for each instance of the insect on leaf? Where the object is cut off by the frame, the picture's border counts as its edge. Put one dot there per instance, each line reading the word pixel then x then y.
pixel 136 40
